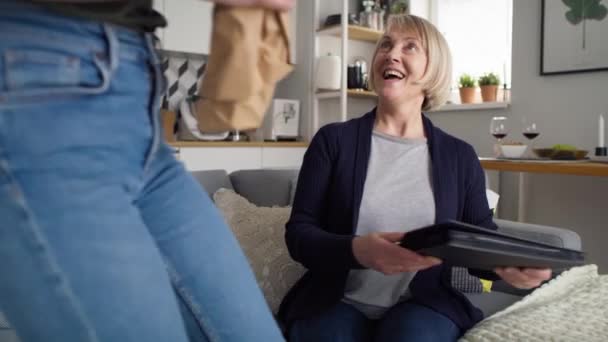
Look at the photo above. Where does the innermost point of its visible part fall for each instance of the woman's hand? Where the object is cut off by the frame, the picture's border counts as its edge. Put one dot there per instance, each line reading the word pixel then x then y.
pixel 380 252
pixel 524 278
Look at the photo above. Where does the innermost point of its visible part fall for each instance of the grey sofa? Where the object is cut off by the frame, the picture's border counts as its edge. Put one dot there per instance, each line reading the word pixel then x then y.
pixel 268 187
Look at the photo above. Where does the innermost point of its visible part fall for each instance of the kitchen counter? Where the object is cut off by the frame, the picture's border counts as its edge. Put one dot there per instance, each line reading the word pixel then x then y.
pixel 179 144
pixel 579 168
pixel 242 155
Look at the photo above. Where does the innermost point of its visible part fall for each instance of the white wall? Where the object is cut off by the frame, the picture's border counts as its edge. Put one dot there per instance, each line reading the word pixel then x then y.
pixel 565 107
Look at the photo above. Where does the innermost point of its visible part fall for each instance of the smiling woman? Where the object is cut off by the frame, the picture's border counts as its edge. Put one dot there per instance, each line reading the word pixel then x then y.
pixel 364 184
pixel 426 51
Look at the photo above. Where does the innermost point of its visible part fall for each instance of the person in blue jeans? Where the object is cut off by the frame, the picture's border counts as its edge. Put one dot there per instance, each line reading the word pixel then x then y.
pixel 104 236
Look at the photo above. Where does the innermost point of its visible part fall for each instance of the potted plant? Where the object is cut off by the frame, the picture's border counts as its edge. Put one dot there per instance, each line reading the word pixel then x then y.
pixel 489 86
pixel 466 86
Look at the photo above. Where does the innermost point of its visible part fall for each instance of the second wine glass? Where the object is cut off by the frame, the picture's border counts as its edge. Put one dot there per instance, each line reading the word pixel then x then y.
pixel 531 132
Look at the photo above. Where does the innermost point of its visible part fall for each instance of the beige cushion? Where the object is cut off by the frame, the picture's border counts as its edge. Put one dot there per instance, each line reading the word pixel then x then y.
pixel 260 232
pixel 570 307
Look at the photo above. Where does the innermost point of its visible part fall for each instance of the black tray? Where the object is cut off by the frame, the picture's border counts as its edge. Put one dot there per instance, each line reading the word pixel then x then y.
pixel 461 244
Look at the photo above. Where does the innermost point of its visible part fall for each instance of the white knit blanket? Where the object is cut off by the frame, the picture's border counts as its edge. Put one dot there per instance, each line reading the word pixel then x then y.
pixel 571 307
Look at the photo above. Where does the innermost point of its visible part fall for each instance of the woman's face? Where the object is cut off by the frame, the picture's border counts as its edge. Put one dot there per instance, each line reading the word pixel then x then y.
pixel 400 61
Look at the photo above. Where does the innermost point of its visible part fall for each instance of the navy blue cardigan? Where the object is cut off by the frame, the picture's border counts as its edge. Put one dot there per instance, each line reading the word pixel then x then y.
pixel 320 230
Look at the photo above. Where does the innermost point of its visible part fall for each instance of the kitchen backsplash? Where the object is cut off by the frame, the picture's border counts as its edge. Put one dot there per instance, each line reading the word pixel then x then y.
pixel 183 78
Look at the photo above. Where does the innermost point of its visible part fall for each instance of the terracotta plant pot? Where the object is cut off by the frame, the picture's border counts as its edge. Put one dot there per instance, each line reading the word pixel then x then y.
pixel 488 93
pixel 467 95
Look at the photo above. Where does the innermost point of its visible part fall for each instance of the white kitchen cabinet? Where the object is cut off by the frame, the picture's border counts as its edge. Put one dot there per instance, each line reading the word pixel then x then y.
pixel 189 25
pixel 227 158
pixel 280 157
pixel 240 158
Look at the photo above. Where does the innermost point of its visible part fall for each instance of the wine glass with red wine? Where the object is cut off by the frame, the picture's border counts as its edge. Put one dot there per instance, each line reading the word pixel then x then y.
pixel 531 132
pixel 498 128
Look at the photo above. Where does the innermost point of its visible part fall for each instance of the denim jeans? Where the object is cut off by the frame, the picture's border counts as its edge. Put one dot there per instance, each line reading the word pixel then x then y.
pixel 103 234
pixel 403 322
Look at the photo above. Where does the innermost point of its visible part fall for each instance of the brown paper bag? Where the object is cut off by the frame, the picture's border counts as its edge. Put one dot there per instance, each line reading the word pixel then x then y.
pixel 249 55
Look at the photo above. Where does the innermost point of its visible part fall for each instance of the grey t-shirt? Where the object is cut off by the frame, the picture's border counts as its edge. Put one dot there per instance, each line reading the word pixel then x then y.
pixel 397 196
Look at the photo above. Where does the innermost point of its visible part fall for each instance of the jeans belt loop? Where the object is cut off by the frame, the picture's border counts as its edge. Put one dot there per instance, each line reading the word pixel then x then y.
pixel 113 47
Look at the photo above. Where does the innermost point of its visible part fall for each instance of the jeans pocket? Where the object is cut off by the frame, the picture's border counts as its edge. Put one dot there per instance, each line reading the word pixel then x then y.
pixel 32 69
pixel 33 76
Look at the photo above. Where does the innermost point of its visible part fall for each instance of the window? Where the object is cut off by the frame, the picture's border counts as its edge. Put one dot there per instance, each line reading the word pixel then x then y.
pixel 479 35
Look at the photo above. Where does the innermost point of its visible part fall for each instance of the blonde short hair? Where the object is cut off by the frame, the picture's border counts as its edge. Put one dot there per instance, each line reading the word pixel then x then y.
pixel 437 78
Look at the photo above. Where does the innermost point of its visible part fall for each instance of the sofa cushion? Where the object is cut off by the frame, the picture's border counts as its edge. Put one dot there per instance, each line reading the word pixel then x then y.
pixel 264 187
pixel 212 180
pixel 293 185
pixel 554 236
pixel 260 232
pixel 571 307
pixel 3 322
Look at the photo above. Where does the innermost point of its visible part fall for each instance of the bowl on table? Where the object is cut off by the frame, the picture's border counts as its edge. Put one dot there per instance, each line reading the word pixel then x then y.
pixel 552 153
pixel 513 151
pixel 570 155
pixel 543 152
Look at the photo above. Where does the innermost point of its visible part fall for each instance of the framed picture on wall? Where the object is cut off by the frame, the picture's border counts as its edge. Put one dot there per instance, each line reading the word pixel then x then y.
pixel 283 120
pixel 573 36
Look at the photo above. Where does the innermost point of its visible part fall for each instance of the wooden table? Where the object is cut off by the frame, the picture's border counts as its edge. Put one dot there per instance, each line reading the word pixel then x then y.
pixel 565 168
pixel 585 168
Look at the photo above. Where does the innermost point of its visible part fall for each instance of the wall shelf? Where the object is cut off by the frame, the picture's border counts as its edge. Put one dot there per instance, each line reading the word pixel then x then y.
pixel 360 93
pixel 178 144
pixel 452 107
pixel 362 40
pixel 354 32
pixel 327 94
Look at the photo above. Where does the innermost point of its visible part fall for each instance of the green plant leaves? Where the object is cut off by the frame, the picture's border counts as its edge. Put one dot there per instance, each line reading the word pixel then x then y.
pixel 489 79
pixel 466 81
pixel 398 7
pixel 584 10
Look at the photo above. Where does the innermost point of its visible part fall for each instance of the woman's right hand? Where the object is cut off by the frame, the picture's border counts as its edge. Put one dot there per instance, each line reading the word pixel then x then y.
pixel 380 251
